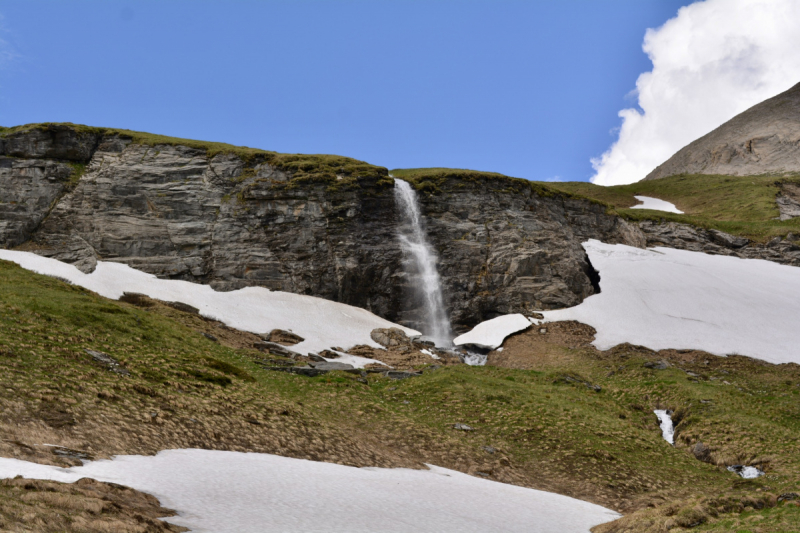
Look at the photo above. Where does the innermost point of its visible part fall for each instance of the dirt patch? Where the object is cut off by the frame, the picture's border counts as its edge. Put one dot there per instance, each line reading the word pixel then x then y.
pixel 542 347
pixel 86 506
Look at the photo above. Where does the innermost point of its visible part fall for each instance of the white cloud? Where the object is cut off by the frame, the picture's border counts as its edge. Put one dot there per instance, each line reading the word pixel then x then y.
pixel 712 61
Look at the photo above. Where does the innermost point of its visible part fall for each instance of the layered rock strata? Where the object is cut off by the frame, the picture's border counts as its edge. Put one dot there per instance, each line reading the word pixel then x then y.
pixel 232 221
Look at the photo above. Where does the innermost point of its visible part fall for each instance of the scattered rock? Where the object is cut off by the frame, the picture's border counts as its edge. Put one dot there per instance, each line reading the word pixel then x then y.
pixel 316 357
pixel 329 354
pixel 657 365
pixel 701 452
pixel 462 427
pixel 109 362
pixel 390 337
pixel 186 308
pixel 280 336
pixel 489 449
pixel 274 348
pixel 137 299
pixel 209 336
pixel 332 365
pixel 69 453
pixel 578 380
pixel 788 496
pixel 396 374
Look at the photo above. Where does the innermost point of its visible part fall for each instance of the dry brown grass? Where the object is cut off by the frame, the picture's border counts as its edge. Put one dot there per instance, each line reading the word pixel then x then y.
pixel 87 506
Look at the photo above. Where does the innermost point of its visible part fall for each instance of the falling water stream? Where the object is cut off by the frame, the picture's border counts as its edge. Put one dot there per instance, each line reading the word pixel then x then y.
pixel 421 261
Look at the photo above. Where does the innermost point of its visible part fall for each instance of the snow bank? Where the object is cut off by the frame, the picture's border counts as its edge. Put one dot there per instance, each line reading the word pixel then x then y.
pixel 491 333
pixel 665 421
pixel 320 322
pixel 664 298
pixel 219 492
pixel 656 205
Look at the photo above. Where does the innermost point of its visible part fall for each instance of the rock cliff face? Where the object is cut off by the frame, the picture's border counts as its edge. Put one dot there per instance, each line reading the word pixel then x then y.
pixel 765 139
pixel 784 250
pixel 233 220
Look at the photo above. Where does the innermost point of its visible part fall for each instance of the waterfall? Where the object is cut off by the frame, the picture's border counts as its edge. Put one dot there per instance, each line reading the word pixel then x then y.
pixel 421 263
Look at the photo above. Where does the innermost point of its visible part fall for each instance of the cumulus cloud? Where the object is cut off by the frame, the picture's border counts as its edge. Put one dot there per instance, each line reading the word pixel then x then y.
pixel 712 61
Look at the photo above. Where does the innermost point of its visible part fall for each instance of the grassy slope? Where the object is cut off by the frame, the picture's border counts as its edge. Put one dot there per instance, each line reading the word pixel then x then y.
pixel 186 391
pixel 741 205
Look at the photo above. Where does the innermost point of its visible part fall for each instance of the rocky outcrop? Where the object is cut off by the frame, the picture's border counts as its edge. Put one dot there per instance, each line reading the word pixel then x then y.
pixel 233 220
pixel 765 139
pixel 784 250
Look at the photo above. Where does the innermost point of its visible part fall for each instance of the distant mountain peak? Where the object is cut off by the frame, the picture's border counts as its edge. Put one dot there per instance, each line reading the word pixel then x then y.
pixel 764 139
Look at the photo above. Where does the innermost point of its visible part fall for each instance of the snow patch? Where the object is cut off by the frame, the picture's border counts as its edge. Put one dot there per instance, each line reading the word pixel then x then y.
pixel 430 353
pixel 656 205
pixel 667 429
pixel 664 298
pixel 250 492
pixel 747 472
pixel 320 322
pixel 491 333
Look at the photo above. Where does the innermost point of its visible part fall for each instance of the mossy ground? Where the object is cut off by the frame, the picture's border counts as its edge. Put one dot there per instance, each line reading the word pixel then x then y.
pixel 740 205
pixel 546 431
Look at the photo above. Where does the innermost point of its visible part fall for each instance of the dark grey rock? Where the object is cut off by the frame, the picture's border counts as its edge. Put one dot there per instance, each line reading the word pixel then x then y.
pixel 109 362
pixel 274 348
pixel 657 365
pixel 701 452
pixel 186 308
pixel 397 374
pixel 175 212
pixel 685 237
pixel 209 336
pixel 332 365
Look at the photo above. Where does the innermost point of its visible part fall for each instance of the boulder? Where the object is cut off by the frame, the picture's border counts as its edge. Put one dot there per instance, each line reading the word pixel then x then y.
pixel 390 337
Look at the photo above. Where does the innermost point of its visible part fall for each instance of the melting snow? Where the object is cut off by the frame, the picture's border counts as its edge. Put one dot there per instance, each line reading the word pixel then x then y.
pixel 491 333
pixel 656 205
pixel 663 298
pixel 320 322
pixel 667 429
pixel 747 472
pixel 215 491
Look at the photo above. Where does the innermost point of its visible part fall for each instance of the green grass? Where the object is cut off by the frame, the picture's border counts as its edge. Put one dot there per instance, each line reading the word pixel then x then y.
pixel 550 433
pixel 740 205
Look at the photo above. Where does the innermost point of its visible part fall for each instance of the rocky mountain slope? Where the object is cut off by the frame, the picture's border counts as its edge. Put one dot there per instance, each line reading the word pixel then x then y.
pixel 765 139
pixel 319 225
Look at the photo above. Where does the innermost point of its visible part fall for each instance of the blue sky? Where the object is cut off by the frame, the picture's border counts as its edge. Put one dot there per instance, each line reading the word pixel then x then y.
pixel 530 89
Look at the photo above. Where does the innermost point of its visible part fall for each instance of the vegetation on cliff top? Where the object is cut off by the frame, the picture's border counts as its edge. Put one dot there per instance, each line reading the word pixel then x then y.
pixel 740 205
pixel 303 167
pixel 544 430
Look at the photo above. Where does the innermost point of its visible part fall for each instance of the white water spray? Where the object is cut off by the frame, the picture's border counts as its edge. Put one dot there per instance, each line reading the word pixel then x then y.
pixel 422 258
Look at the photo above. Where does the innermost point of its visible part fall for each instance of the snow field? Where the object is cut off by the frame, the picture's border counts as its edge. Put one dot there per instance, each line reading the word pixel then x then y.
pixel 320 322
pixel 491 333
pixel 664 298
pixel 220 492
pixel 656 205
